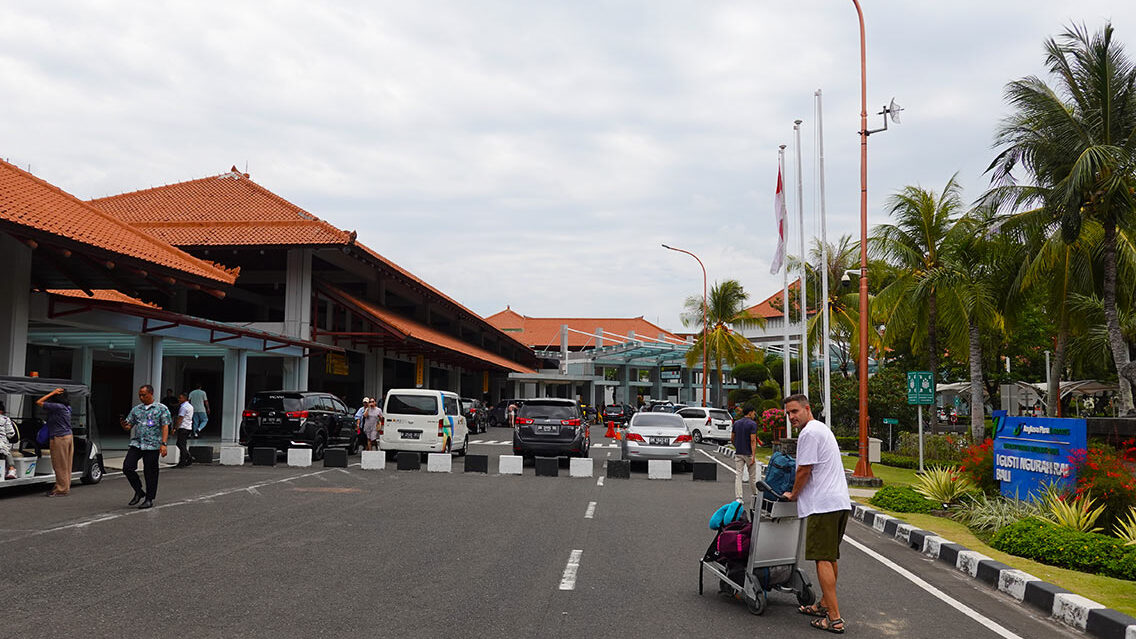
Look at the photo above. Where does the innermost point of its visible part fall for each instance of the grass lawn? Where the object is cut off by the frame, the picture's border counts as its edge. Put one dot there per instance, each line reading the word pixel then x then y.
pixel 1117 594
pixel 891 475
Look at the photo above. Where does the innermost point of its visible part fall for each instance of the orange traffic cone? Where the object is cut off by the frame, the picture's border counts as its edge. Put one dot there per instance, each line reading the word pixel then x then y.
pixel 610 430
pixel 618 434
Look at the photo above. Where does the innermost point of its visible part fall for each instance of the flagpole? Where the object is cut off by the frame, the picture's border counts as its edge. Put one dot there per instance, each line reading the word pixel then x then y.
pixel 825 343
pixel 785 372
pixel 804 349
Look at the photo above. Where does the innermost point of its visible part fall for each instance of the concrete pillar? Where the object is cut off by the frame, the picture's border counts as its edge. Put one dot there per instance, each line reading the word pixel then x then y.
pixel 657 381
pixel 373 374
pixel 599 337
pixel 625 384
pixel 686 393
pixel 456 380
pixel 236 375
pixel 148 362
pixel 15 290
pixel 82 364
pixel 563 349
pixel 298 295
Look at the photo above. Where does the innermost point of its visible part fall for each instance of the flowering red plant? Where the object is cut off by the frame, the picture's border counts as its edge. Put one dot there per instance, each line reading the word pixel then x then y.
pixel 978 466
pixel 1108 474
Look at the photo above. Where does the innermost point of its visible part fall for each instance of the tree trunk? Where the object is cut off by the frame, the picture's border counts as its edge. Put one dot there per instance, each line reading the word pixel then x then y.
pixel 1116 341
pixel 977 410
pixel 718 387
pixel 1057 366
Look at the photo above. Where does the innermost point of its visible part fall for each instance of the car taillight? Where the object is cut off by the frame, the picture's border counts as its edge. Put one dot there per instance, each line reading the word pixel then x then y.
pixel 569 422
pixel 635 437
pixel 522 420
pixel 441 426
pixel 707 420
pixel 302 414
pixel 682 438
pixel 249 413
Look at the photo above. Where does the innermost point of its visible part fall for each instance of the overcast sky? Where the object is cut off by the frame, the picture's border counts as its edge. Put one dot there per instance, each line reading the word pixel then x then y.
pixel 534 154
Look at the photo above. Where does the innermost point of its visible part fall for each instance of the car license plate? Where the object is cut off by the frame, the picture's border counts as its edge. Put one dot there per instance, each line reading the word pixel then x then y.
pixel 410 434
pixel 270 420
pixel 660 441
pixel 548 429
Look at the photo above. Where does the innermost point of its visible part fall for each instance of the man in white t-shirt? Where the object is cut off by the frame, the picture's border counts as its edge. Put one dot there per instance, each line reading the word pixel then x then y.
pixel 200 402
pixel 821 493
pixel 184 425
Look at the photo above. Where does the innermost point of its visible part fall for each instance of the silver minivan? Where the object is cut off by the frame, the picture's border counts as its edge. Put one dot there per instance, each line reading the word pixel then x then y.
pixel 423 421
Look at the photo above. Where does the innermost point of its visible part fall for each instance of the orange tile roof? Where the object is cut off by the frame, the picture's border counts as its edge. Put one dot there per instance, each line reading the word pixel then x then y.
pixel 222 210
pixel 544 332
pixel 417 331
pixel 102 295
pixel 773 306
pixel 31 203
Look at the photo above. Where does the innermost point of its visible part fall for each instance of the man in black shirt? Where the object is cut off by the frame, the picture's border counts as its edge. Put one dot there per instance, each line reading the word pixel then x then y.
pixel 745 441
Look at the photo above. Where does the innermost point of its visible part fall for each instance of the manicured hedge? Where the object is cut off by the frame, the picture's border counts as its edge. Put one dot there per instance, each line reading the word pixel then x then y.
pixel 899 461
pixel 902 499
pixel 1042 541
pixel 848 443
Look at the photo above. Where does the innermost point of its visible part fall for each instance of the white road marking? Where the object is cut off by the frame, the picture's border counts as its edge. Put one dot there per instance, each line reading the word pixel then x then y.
pixel 939 594
pixel 599 482
pixel 718 461
pixel 590 513
pixel 253 491
pixel 568 581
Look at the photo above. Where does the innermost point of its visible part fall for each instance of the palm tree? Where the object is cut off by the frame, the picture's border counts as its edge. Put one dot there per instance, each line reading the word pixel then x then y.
pixel 1076 140
pixel 725 308
pixel 914 245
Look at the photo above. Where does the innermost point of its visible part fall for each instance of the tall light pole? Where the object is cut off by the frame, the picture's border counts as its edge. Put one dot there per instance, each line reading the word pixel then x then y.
pixel 863 467
pixel 705 325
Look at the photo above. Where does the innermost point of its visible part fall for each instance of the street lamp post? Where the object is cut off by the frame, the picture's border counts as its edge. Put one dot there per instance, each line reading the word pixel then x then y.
pixel 863 467
pixel 705 326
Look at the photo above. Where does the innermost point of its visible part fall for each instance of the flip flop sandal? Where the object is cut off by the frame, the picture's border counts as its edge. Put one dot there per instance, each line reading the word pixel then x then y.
pixel 815 610
pixel 828 624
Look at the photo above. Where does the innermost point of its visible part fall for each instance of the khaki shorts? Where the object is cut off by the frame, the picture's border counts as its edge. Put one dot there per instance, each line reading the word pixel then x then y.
pixel 823 534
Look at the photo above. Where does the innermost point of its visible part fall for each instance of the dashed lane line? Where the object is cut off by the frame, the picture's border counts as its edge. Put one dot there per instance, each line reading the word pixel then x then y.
pixel 590 513
pixel 568 580
pixel 599 482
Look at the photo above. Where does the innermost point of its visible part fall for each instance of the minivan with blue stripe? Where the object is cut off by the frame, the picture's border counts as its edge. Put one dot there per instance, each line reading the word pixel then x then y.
pixel 421 420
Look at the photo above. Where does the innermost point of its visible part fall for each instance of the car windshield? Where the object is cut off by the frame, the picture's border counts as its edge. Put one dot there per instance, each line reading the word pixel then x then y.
pixel 276 401
pixel 412 405
pixel 614 410
pixel 719 414
pixel 658 420
pixel 553 411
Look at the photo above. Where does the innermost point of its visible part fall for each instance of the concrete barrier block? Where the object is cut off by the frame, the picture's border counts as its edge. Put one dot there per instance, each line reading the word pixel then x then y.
pixel 263 456
pixel 949 553
pixel 373 460
pixel 173 455
pixel 880 520
pixel 409 461
pixel 1110 623
pixel 201 454
pixel 299 457
pixel 510 464
pixel 1073 610
pixel 547 467
pixel 931 546
pixel 1013 583
pixel 967 561
pixel 439 463
pixel 476 463
pixel 903 533
pixel 1042 595
pixel 659 469
pixel 232 456
pixel 619 469
pixel 704 471
pixel 581 467
pixel 335 458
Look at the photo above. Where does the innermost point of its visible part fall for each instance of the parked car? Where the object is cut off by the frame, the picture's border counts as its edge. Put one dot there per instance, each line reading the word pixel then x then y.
pixel 476 414
pixel 552 427
pixel 665 407
pixel 497 414
pixel 87 460
pixel 291 419
pixel 652 435
pixel 423 421
pixel 618 413
pixel 707 423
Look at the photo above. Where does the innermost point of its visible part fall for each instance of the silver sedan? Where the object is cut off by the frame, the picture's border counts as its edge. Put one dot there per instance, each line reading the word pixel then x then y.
pixel 657 436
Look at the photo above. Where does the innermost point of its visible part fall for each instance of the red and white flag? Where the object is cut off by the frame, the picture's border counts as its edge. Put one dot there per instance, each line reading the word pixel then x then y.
pixel 780 212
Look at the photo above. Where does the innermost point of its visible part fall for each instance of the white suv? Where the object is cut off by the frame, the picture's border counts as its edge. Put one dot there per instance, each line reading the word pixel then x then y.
pixel 707 423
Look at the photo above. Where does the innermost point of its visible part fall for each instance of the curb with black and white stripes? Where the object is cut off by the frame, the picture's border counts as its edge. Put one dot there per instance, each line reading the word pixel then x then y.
pixel 727 451
pixel 1073 610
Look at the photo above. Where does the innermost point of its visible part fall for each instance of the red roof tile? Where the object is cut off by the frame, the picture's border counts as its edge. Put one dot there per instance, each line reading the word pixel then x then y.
pixel 223 210
pixel 773 306
pixel 29 202
pixel 102 295
pixel 544 332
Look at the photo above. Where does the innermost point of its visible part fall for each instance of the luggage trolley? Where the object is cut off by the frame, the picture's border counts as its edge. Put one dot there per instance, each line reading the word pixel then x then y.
pixel 776 541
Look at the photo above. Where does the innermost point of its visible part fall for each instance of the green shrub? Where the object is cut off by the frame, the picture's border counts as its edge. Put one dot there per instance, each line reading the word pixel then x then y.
pixel 985 513
pixel 902 499
pixel 898 461
pixel 848 443
pixel 937 448
pixel 1042 541
pixel 740 395
pixel 770 389
pixel 1075 512
pixel 770 404
pixel 942 485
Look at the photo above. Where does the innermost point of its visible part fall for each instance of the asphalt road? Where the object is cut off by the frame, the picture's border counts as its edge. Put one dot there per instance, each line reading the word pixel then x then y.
pixel 284 552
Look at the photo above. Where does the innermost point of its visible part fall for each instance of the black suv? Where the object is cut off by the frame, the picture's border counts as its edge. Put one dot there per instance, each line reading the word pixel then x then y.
pixel 550 427
pixel 618 413
pixel 290 419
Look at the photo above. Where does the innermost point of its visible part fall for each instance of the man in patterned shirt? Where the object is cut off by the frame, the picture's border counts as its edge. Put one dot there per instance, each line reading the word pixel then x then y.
pixel 149 424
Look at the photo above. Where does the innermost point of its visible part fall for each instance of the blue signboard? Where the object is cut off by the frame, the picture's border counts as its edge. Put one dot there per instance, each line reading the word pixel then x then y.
pixel 1031 452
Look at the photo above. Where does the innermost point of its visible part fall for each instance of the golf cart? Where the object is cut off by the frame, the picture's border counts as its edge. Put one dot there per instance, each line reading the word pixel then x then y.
pixel 87 465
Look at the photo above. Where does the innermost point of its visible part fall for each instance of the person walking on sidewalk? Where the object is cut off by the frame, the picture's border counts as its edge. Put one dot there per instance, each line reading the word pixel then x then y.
pixel 62 444
pixel 200 402
pixel 821 493
pixel 7 431
pixel 184 425
pixel 370 421
pixel 745 441
pixel 149 426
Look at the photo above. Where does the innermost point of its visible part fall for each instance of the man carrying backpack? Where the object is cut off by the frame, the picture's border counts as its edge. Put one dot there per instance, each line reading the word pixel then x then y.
pixel 821 493
pixel 745 441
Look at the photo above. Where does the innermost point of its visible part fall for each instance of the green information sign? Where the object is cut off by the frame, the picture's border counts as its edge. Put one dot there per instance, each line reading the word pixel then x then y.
pixel 920 388
pixel 891 420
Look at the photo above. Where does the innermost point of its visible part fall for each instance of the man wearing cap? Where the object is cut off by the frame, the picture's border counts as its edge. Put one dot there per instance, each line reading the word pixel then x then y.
pixel 359 416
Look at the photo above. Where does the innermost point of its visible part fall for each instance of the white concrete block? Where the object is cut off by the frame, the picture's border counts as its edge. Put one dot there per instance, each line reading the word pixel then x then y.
pixel 232 455
pixel 658 469
pixel 510 464
pixel 1013 583
pixel 903 533
pixel 1130 632
pixel 968 561
pixel 858 511
pixel 932 544
pixel 173 455
pixel 1073 610
pixel 880 520
pixel 580 467
pixel 439 462
pixel 299 457
pixel 374 460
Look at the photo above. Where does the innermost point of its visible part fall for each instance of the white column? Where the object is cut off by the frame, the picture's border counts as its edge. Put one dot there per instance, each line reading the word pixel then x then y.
pixel 15 290
pixel 82 365
pixel 373 374
pixel 298 294
pixel 148 362
pixel 295 373
pixel 233 402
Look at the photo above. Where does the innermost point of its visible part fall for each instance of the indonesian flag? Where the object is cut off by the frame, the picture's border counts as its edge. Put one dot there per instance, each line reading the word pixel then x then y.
pixel 780 212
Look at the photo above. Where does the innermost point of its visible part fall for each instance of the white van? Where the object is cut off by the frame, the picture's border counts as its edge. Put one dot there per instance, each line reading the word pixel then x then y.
pixel 423 421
